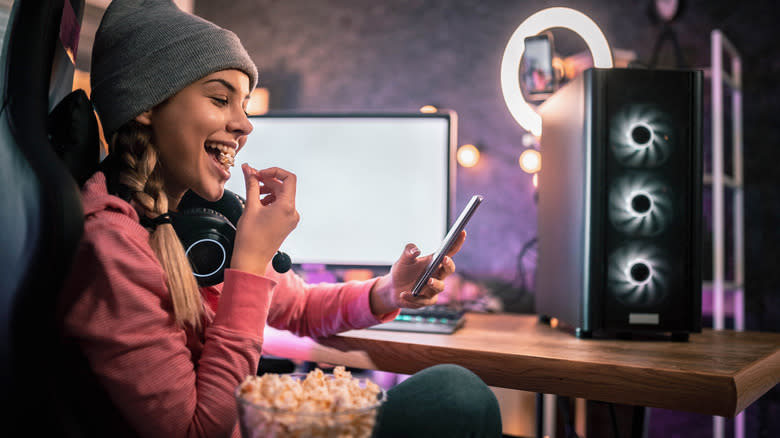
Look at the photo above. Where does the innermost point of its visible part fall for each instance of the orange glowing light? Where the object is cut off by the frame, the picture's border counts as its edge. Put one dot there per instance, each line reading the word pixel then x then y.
pixel 468 155
pixel 258 102
pixel 531 160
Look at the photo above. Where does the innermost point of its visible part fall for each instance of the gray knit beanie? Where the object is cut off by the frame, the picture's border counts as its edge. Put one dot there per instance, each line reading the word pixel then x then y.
pixel 145 51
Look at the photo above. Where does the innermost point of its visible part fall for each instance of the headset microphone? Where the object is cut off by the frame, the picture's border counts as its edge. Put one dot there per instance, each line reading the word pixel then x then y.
pixel 281 262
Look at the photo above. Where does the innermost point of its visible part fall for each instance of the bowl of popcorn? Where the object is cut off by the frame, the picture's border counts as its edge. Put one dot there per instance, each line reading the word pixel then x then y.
pixel 313 404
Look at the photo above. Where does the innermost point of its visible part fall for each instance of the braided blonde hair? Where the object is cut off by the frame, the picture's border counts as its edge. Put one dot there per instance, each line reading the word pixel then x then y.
pixel 139 171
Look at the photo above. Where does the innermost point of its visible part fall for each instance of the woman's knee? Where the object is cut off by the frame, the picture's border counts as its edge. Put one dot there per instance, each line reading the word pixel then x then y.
pixel 466 389
pixel 441 401
pixel 465 397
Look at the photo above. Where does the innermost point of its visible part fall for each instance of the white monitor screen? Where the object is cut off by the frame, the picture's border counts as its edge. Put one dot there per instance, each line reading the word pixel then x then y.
pixel 367 184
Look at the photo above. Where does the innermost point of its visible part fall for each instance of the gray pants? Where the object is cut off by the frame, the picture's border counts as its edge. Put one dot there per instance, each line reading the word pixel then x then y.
pixel 440 401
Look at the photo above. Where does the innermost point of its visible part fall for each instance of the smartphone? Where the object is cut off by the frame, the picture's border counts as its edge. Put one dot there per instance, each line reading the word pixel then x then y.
pixel 446 245
pixel 537 75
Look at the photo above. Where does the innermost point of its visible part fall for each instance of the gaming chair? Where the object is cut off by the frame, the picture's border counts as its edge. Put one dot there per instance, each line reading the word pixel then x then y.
pixel 41 216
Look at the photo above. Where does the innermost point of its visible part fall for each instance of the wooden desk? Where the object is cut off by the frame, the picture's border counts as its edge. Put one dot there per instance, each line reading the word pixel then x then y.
pixel 714 373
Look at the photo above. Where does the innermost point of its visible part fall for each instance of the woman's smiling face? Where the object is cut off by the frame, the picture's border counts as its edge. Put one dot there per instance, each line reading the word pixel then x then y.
pixel 198 132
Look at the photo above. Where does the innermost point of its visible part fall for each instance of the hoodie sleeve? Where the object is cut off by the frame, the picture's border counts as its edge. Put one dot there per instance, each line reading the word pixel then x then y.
pixel 319 310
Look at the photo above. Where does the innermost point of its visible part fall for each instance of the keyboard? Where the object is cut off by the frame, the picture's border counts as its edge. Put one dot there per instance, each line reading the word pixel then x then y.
pixel 431 319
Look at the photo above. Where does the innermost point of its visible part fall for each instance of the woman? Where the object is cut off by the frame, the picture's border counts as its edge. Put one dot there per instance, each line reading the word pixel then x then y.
pixel 171 91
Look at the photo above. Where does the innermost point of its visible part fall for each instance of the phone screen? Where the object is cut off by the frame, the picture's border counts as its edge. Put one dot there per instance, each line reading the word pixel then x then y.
pixel 537 74
pixel 446 245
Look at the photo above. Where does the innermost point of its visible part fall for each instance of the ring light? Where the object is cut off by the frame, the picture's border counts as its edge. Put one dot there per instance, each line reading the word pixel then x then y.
pixel 545 19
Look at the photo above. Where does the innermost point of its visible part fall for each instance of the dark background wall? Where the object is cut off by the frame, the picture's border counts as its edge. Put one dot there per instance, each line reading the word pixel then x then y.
pixel 352 55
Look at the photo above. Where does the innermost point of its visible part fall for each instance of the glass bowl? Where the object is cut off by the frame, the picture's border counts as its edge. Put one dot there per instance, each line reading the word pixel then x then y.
pixel 258 419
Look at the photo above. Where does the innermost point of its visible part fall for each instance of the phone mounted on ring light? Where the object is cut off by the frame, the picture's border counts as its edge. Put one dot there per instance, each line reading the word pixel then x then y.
pixel 537 74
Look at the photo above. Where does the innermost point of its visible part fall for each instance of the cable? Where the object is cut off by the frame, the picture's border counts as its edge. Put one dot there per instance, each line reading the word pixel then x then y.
pixel 520 272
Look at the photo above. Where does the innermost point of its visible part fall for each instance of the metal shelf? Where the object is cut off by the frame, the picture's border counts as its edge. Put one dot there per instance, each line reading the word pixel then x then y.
pixel 728 74
pixel 728 181
pixel 727 285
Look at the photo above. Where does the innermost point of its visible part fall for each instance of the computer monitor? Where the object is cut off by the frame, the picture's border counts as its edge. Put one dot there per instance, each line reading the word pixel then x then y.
pixel 367 184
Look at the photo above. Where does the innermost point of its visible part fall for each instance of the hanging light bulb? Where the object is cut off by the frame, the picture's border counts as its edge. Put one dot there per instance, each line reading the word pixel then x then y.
pixel 529 140
pixel 468 155
pixel 531 160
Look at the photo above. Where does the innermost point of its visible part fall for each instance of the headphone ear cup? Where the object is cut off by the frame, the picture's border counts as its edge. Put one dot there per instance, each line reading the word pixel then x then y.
pixel 207 231
pixel 207 237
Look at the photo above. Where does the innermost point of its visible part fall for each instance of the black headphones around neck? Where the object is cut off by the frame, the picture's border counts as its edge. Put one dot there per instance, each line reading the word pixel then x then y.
pixel 207 231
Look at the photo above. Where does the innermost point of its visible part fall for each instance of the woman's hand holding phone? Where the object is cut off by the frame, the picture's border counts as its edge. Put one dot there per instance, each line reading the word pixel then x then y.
pixel 415 281
pixel 394 290
pixel 266 221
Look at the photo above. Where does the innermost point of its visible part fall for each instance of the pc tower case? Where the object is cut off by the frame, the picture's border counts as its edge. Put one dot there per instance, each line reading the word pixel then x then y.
pixel 619 249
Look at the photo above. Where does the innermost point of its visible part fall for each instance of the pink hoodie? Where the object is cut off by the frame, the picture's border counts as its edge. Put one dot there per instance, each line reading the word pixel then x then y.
pixel 165 381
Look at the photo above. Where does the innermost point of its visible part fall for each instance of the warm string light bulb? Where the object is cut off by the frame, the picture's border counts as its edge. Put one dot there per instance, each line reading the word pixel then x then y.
pixel 468 155
pixel 428 109
pixel 530 161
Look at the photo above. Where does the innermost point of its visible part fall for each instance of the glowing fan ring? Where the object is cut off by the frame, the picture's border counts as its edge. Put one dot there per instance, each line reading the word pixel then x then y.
pixel 628 289
pixel 624 213
pixel 644 126
pixel 654 123
pixel 631 201
pixel 630 274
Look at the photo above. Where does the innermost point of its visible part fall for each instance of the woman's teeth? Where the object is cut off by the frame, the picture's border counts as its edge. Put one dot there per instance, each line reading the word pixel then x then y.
pixel 226 156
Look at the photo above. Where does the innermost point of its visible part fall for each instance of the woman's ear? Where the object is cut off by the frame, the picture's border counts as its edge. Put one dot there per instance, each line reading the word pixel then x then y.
pixel 145 118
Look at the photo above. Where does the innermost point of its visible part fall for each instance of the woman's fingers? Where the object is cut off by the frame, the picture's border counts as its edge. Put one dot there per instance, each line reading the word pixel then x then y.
pixel 434 287
pixel 410 301
pixel 252 183
pixel 269 185
pixel 268 218
pixel 278 178
pixel 458 244
pixel 446 268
